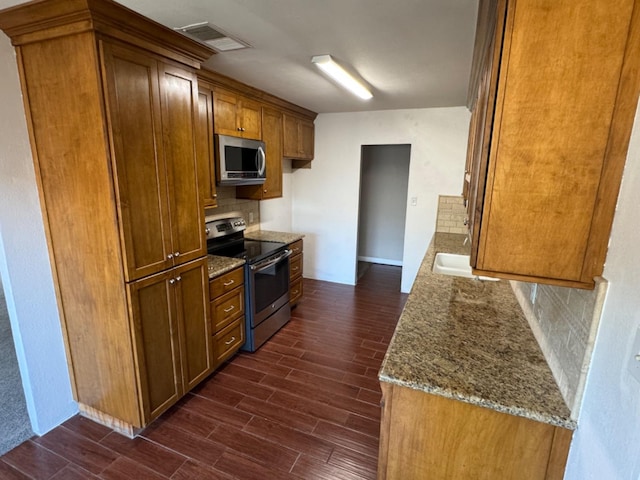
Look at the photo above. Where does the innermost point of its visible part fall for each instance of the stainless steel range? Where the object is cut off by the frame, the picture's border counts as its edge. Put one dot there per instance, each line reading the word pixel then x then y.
pixel 266 277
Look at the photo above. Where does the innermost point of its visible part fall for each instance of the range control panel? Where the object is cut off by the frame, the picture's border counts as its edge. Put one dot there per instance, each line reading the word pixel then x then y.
pixel 224 226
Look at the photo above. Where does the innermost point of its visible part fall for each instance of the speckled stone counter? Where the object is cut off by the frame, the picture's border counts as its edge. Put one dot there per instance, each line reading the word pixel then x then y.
pixel 468 340
pixel 269 236
pixel 219 265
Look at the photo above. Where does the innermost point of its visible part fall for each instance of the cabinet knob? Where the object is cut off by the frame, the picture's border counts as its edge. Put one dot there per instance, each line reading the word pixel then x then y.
pixel 466 222
pixel 265 190
pixel 178 278
pixel 215 195
pixel 170 256
pixel 172 281
pixel 177 254
pixel 207 231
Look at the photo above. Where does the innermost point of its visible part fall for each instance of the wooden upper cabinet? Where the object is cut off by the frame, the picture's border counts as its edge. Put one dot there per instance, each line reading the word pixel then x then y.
pixel 236 115
pixel 179 89
pixel 558 89
pixel 152 111
pixel 272 136
pixel 204 147
pixel 298 140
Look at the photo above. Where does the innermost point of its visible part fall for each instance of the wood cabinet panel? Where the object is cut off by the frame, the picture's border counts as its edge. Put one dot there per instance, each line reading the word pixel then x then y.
pixel 227 307
pixel 229 340
pixel 236 115
pixel 295 272
pixel 180 102
pixel 133 102
pixel 227 282
pixel 549 152
pixel 157 343
pixel 272 137
pixel 204 147
pixel 428 436
pixel 298 140
pixel 195 329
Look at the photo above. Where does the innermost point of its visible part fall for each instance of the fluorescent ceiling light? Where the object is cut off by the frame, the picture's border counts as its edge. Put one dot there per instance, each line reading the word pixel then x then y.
pixel 340 75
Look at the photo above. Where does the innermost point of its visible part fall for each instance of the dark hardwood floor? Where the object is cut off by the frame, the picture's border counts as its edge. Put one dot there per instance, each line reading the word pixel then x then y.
pixel 305 406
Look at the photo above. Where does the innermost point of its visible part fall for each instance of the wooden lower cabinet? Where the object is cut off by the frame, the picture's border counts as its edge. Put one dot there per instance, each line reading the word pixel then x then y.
pixel 429 436
pixel 295 272
pixel 227 314
pixel 171 333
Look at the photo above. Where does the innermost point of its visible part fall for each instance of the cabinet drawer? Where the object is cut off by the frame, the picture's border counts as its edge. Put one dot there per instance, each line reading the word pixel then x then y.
pixel 225 283
pixel 229 340
pixel 295 267
pixel 227 307
pixel 295 290
pixel 296 247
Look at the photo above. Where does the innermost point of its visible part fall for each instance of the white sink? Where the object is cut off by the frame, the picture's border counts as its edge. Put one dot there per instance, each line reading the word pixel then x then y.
pixel 456 265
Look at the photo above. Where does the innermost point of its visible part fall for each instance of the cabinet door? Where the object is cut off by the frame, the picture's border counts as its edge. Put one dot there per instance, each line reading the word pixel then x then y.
pixel 179 109
pixel 272 136
pixel 157 345
pixel 133 105
pixel 250 119
pixel 225 105
pixel 290 137
pixel 306 139
pixel 204 147
pixel 192 305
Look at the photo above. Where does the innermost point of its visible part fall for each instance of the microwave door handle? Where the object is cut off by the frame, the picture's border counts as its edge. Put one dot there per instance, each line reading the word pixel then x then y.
pixel 261 161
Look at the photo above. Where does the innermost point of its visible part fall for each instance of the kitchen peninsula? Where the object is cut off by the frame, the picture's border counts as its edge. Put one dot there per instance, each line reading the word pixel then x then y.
pixel 465 386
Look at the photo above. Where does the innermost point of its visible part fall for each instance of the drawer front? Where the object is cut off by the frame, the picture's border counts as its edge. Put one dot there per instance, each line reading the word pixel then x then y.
pixel 295 291
pixel 228 340
pixel 225 283
pixel 227 307
pixel 295 267
pixel 296 247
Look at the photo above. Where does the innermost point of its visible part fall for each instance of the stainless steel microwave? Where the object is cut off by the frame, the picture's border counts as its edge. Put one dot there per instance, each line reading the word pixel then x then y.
pixel 240 161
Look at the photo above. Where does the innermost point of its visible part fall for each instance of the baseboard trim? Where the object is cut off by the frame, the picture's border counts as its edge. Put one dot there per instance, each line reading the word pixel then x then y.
pixel 383 261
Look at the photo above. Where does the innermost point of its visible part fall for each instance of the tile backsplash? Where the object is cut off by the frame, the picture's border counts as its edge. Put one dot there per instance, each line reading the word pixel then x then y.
pixel 564 321
pixel 451 214
pixel 228 203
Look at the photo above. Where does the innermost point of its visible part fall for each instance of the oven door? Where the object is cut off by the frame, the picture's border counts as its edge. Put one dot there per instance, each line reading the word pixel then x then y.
pixel 269 286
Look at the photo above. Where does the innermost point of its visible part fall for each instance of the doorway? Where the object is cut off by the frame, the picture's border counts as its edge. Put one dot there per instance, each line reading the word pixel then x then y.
pixel 384 183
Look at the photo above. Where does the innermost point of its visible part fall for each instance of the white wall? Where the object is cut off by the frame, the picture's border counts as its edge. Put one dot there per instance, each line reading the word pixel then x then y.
pixel 275 213
pixel 24 264
pixel 325 197
pixel 607 442
pixel 384 178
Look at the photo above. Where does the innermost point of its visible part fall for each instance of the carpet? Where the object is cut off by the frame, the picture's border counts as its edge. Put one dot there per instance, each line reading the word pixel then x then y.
pixel 15 426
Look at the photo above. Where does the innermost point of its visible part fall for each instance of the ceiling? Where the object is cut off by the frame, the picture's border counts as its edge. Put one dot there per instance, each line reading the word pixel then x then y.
pixel 412 53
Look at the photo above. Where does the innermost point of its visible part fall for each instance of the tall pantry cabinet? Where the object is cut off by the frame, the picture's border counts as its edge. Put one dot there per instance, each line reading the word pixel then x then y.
pixel 111 104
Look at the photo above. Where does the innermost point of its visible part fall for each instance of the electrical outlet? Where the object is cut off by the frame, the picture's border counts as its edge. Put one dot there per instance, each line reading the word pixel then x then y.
pixel 414 201
pixel 534 292
pixel 634 361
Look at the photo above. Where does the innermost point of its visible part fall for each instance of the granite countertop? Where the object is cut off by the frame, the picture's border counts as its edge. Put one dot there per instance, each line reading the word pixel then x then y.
pixel 219 265
pixel 270 236
pixel 468 340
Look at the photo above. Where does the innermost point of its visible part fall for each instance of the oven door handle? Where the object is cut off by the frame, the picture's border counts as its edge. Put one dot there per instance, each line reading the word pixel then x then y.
pixel 258 267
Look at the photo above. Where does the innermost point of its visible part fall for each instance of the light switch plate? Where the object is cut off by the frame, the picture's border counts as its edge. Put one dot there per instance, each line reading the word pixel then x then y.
pixel 634 361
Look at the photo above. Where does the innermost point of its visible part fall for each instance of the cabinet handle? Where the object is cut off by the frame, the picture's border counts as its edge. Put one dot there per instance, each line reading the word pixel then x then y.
pixel 296 250
pixel 178 278
pixel 172 281
pixel 177 254
pixel 227 310
pixel 230 282
pixel 233 339
pixel 170 256
pixel 295 269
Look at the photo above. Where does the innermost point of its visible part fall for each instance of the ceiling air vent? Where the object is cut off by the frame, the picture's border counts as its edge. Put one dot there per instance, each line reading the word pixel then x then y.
pixel 212 36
